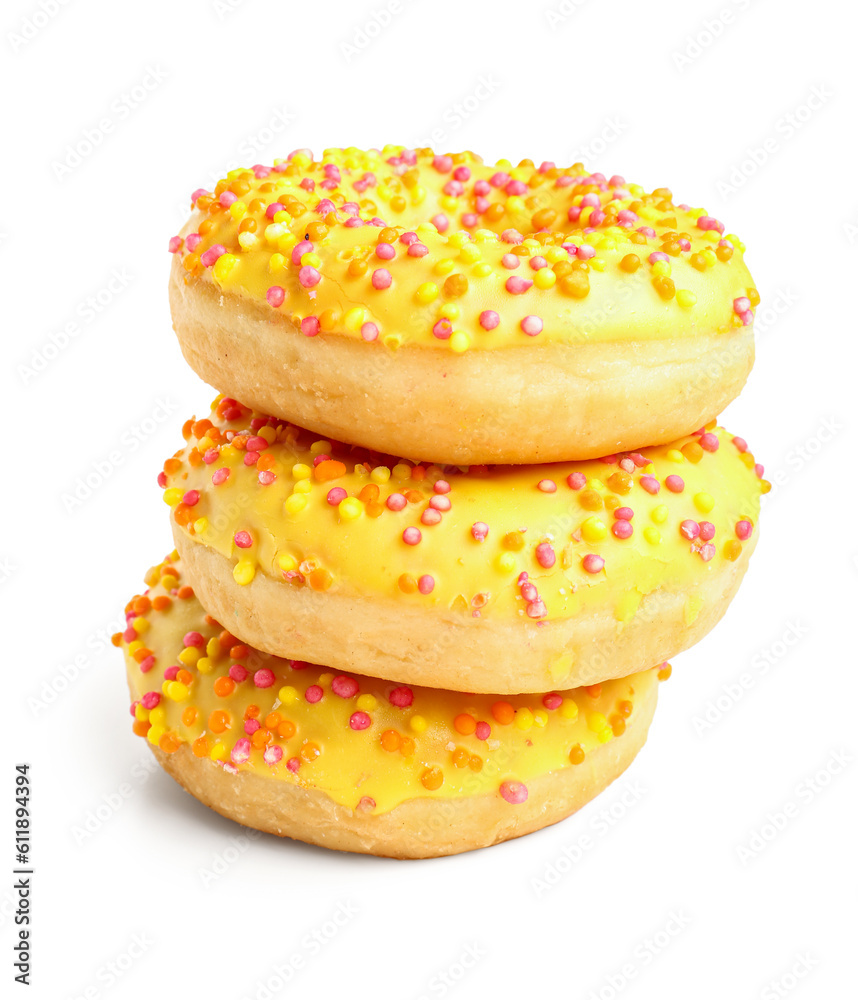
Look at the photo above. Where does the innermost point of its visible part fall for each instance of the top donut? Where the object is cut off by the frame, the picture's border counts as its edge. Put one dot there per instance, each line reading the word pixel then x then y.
pixel 450 311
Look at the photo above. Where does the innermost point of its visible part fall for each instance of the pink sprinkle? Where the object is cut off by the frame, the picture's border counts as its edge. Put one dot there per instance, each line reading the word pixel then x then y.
pixel 409 238
pixel 443 164
pixel 537 609
pixel 689 529
pixel 309 277
pixel 310 326
pixel 426 584
pixel 193 639
pixel 384 251
pixel 442 486
pixel 220 476
pixel 401 697
pixel 171 672
pixel 638 460
pixel 480 530
pixel 442 329
pixel 238 672
pixel 514 188
pixel 251 457
pixel 514 792
pixel 150 699
pixel 516 285
pixel 483 731
pixel 273 209
pixel 744 530
pixel 489 319
pixel 193 241
pixel 256 443
pixel 547 486
pixel 709 442
pixel 741 444
pixel 440 222
pixel 241 751
pixel 369 332
pixel 272 755
pixel 512 236
pixel 211 255
pixel 552 701
pixel 412 536
pixel 293 764
pixel 242 539
pixel 440 502
pixel 360 720
pixel 313 694
pixel 576 480
pixel 227 198
pixel 275 296
pixel 706 222
pixel 624 513
pixel 657 255
pixel 470 219
pixel 336 496
pixel 251 725
pixel 650 484
pixel 396 501
pixel 497 180
pixel 627 465
pixel 298 251
pixel 622 529
pixel 175 244
pixel 545 555
pixel 191 498
pixel 162 480
pixel 510 261
pixel 707 552
pixel 529 592
pixel 759 470
pixel 418 250
pixel 593 563
pixel 429 516
pixel 462 174
pixel 532 325
pixel 537 263
pixel 345 687
pixel 707 531
pixel 675 484
pixel 381 278
pixel 585 252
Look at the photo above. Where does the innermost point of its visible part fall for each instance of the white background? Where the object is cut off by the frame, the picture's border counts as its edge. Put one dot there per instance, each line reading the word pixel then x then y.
pixel 730 125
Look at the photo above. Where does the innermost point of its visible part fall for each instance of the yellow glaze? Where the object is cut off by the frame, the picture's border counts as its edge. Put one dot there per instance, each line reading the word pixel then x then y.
pixel 505 542
pixel 588 282
pixel 414 741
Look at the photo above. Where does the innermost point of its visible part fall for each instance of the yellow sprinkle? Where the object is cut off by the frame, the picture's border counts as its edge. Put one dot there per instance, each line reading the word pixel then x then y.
pixel 178 691
pixel 483 270
pixel 506 562
pixel 515 203
pixel 380 474
pixel 709 256
pixel 444 266
pixel 140 624
pixel 350 509
pixel 301 471
pixel 402 471
pixel 320 447
pixel 427 292
pixel 652 535
pixel 141 713
pixel 596 722
pixel 675 455
pixel 594 529
pixel 276 262
pixel 238 210
pixel 469 253
pixel 205 665
pixel 598 263
pixel 659 513
pixel 218 752
pixel 604 735
pixel 459 342
pixel 355 318
pixel 685 298
pixel 243 572
pixel 448 203
pixel 569 709
pixel 247 241
pixel 200 525
pixel 154 735
pixel 523 718
pixel 173 496
pixel 392 340
pixel 287 562
pixel 449 311
pixel 168 581
pixel 288 695
pixel 311 259
pixel 545 277
pixel 540 718
pixel 660 268
pixel 212 649
pixel 366 702
pixel 295 503
pixel 417 723
pixel 157 715
pixel 189 656
pixel 303 486
pixel 704 502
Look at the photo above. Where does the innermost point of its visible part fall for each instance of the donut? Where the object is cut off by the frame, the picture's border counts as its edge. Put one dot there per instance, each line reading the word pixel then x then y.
pixel 358 764
pixel 442 309
pixel 503 579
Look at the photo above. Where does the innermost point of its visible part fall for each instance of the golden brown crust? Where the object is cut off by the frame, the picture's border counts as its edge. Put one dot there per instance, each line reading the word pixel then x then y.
pixel 545 403
pixel 441 648
pixel 418 828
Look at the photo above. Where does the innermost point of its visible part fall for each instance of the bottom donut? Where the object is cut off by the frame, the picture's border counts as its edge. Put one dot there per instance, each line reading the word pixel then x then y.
pixel 359 764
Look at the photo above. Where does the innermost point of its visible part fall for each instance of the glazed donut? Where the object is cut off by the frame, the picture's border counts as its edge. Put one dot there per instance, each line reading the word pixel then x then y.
pixel 358 764
pixel 394 300
pixel 505 579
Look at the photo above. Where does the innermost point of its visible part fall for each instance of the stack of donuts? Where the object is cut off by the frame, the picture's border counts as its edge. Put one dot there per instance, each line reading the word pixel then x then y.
pixel 460 497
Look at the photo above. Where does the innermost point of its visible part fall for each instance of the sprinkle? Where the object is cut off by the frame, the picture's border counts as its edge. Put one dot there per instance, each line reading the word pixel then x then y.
pixel 396 501
pixel 310 326
pixel 401 697
pixel 314 694
pixel 426 584
pixel 547 486
pixel 241 751
pixel 359 721
pixel 651 484
pixel 576 480
pixel 531 325
pixel 480 530
pixel 309 277
pixel 263 678
pixel 514 792
pixel 517 286
pixel 412 536
pixel 243 539
pixel 593 563
pixel 744 530
pixel 336 496
pixel 381 278
pixel 689 529
pixel 545 555
pixel 675 484
pixel 489 319
pixel 275 296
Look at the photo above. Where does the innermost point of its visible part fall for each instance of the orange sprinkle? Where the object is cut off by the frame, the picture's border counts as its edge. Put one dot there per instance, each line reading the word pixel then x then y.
pixel 286 730
pixel 273 720
pixel 407 583
pixel 618 725
pixel 140 728
pixel 625 708
pixel 464 724
pixel 390 740
pixel 407 746
pixel 201 747
pixel 189 716
pixel 161 602
pixel 591 500
pixel 432 778
pixel 576 754
pixel 261 738
pixel 732 549
pixel 218 721
pixel 513 540
pixel 169 743
pixel 368 493
pixel 665 672
pixel 320 579
pixel 475 763
pixel 251 712
pixel 224 686
pixel 185 592
pixel 594 690
pixel 329 470
pixel 141 605
pixel 201 426
pixel 309 751
pixel 461 757
pixel 266 462
pixel 239 651
pixel 184 676
pixel 692 451
pixel 630 263
pixel 503 712
pixel 140 654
